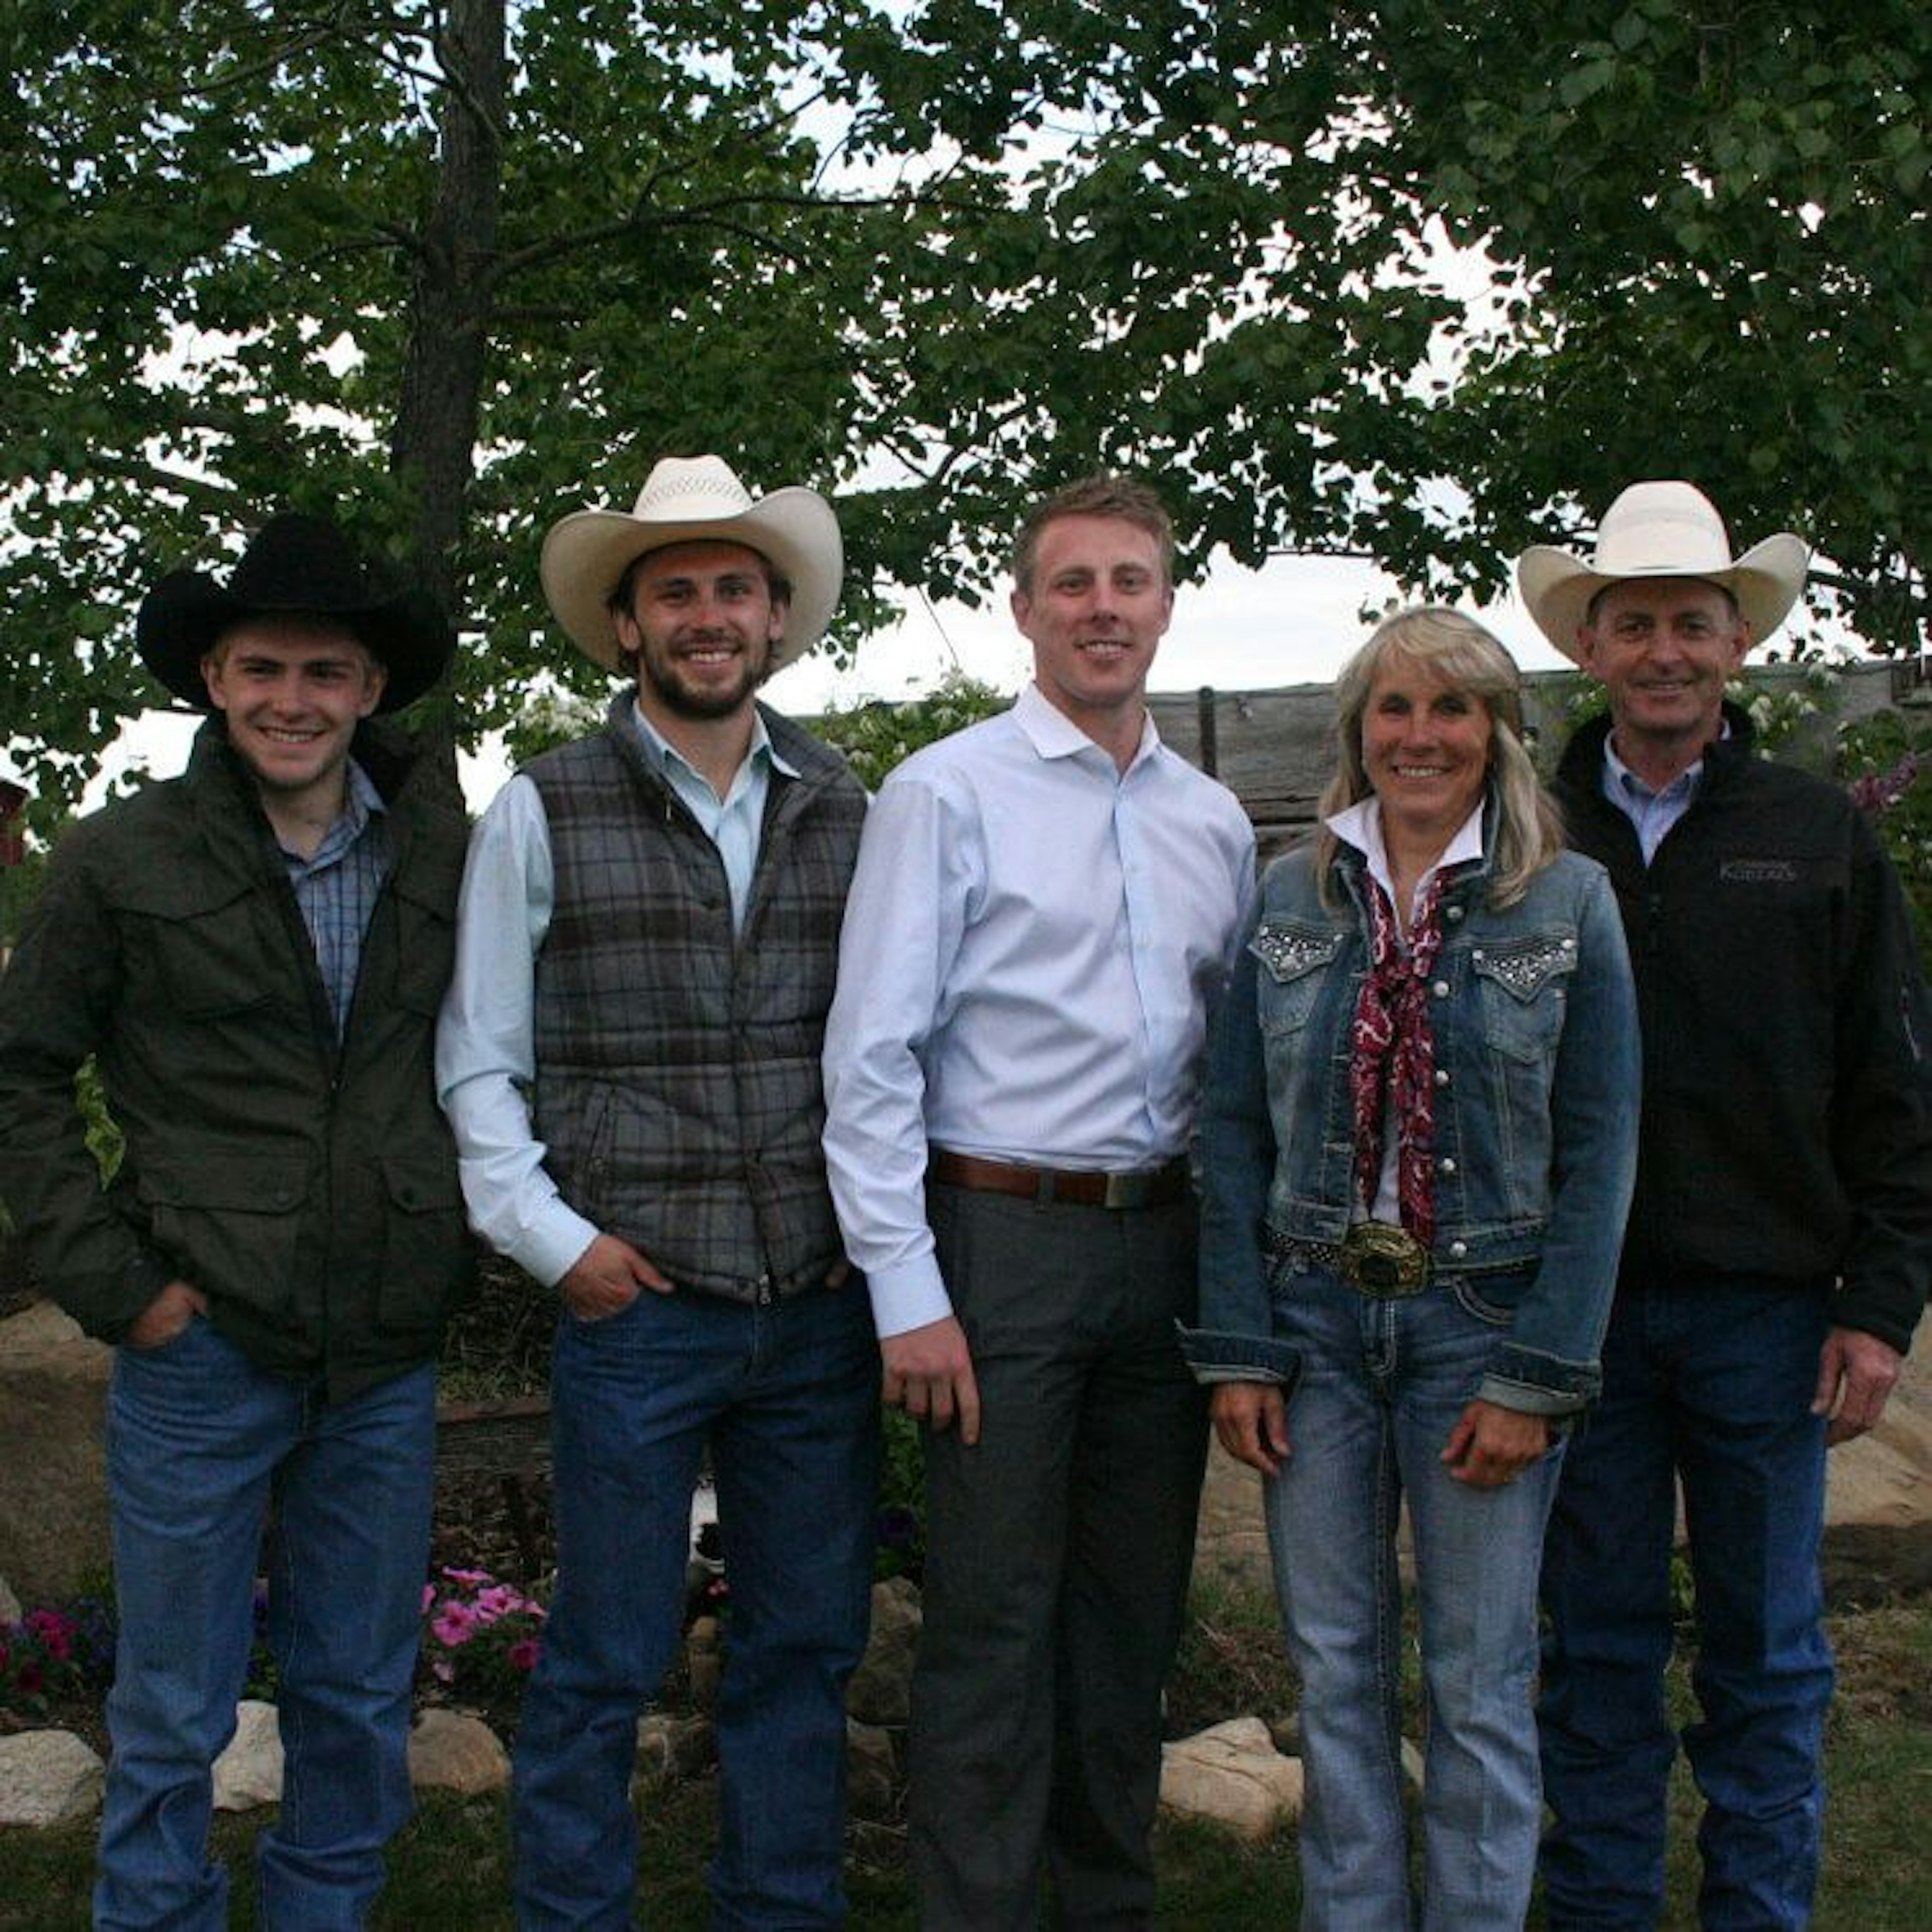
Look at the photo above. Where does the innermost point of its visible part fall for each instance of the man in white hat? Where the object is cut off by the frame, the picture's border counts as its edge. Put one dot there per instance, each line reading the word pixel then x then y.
pixel 629 1054
pixel 1044 905
pixel 1779 1245
pixel 253 954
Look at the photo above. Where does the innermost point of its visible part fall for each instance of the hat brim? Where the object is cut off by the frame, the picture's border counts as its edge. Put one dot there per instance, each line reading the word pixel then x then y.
pixel 181 618
pixel 587 553
pixel 1558 585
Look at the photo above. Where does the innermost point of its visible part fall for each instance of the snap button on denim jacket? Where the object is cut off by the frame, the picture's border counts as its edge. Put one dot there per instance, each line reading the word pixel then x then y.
pixel 1536 1119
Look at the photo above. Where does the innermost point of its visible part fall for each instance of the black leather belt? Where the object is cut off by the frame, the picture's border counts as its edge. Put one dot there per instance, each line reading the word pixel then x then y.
pixel 1080 1187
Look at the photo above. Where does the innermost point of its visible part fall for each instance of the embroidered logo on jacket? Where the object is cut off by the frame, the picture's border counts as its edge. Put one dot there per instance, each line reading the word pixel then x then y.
pixel 1759 872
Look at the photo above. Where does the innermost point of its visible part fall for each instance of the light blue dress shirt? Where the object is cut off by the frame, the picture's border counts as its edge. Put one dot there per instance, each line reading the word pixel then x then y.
pixel 485 1056
pixel 1031 942
pixel 1653 813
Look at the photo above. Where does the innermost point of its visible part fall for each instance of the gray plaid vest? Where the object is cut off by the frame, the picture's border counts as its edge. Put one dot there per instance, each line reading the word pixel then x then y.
pixel 678 1090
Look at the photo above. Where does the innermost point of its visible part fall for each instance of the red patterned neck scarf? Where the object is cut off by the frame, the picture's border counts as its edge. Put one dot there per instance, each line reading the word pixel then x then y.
pixel 1392 1057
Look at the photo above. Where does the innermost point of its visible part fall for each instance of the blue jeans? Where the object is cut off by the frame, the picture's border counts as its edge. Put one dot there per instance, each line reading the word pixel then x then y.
pixel 788 1396
pixel 1382 1383
pixel 198 1444
pixel 1712 1386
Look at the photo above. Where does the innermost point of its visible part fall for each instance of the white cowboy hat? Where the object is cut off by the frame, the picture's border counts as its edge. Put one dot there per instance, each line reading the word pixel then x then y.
pixel 695 500
pixel 1661 529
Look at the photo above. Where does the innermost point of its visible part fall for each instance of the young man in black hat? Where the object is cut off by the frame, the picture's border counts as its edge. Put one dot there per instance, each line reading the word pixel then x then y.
pixel 254 953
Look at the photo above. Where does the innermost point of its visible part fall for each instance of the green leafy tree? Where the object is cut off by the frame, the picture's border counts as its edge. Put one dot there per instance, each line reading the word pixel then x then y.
pixel 1715 225
pixel 451 270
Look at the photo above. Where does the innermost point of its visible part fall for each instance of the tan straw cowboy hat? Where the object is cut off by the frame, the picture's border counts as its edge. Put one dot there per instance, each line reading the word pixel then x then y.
pixel 695 500
pixel 1661 529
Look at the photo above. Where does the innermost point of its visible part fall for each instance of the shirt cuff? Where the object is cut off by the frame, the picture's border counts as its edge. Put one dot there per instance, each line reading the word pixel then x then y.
pixel 907 1295
pixel 554 1242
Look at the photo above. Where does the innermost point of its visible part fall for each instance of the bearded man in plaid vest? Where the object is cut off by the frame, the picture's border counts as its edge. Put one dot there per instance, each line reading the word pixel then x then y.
pixel 629 1054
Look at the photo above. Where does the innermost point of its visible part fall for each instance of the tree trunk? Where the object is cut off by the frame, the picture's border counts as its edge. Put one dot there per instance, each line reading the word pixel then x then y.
pixel 434 444
pixel 433 449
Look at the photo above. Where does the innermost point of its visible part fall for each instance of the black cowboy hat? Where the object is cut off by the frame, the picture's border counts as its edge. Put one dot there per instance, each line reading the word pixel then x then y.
pixel 296 565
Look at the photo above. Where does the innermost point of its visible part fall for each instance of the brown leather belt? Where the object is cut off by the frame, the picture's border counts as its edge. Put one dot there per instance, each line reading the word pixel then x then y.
pixel 1150 1187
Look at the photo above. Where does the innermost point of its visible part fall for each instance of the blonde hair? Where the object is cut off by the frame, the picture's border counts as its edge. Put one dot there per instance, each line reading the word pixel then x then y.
pixel 1527 834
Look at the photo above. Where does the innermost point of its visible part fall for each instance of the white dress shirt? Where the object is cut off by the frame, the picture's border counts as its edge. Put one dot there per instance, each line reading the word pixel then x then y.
pixel 485 1056
pixel 1031 942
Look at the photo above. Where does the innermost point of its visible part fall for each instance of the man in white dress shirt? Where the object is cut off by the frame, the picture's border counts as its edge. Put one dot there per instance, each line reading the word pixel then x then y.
pixel 629 1055
pixel 1044 905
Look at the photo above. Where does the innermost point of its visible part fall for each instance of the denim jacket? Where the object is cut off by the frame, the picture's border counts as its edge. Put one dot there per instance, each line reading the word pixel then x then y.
pixel 1535 1032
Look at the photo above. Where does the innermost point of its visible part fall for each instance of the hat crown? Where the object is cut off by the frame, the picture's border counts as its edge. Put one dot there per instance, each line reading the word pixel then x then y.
pixel 1657 529
pixel 304 562
pixel 692 489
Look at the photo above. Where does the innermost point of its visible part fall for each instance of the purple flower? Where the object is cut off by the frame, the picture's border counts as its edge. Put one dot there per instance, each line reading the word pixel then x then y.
pixel 1878 792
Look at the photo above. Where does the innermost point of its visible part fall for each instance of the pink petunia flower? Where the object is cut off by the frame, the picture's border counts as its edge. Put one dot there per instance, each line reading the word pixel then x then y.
pixel 457 1624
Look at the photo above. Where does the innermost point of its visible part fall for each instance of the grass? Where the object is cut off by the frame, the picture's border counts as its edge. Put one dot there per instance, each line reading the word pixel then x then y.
pixel 449 1868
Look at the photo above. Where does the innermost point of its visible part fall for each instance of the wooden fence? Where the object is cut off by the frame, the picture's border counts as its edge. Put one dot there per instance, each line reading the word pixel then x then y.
pixel 1274 749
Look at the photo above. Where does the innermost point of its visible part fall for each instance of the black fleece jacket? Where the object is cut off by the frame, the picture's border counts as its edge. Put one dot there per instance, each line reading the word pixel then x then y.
pixel 1786 1135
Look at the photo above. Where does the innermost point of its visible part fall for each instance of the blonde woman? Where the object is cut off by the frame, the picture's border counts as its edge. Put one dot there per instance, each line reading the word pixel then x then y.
pixel 1418 1140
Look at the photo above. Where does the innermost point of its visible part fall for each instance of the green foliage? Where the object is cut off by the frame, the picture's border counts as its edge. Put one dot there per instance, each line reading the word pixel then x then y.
pixel 452 271
pixel 878 734
pixel 1714 225
pixel 105 1140
pixel 900 1550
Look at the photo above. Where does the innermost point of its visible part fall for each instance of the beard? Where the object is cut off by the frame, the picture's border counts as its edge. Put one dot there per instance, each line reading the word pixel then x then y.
pixel 661 672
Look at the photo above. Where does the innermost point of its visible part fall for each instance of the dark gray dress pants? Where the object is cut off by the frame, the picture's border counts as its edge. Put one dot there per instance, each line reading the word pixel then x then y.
pixel 1058 1554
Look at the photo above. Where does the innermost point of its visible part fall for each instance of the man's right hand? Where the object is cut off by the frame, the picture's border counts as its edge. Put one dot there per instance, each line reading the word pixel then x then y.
pixel 606 1278
pixel 928 1373
pixel 165 1316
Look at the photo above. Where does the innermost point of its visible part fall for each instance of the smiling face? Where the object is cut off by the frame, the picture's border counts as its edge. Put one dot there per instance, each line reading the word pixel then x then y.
pixel 701 624
pixel 1663 647
pixel 1425 749
pixel 292 689
pixel 1097 606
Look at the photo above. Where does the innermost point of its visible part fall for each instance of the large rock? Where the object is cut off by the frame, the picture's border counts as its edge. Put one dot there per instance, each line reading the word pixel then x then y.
pixel 671 1747
pixel 871 1772
pixel 53 1481
pixel 450 1750
pixel 1233 1776
pixel 1885 1479
pixel 47 1777
pixel 704 1662
pixel 880 1692
pixel 1232 1547
pixel 249 1772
